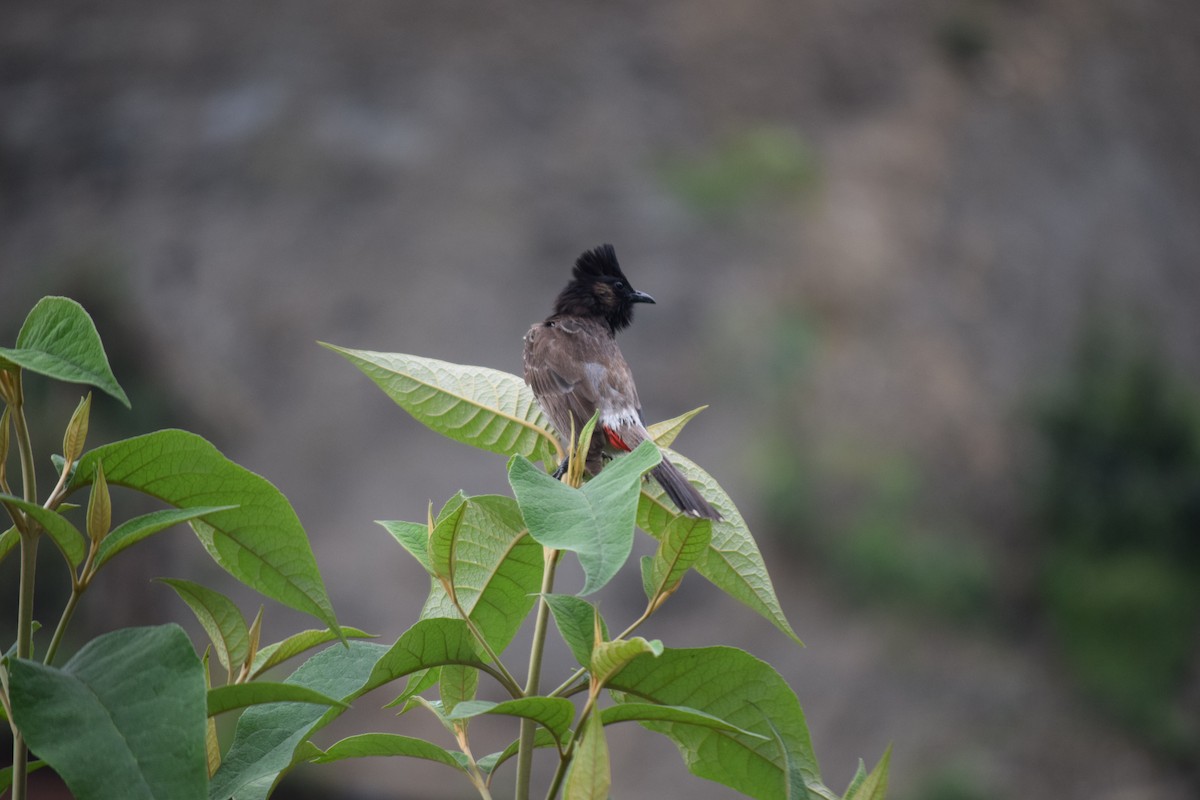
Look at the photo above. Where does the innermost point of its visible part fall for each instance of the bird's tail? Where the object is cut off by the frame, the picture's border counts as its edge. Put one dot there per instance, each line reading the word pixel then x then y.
pixel 683 494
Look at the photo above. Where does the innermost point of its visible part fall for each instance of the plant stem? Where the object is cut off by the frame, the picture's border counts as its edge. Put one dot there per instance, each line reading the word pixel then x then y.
pixel 29 542
pixel 529 727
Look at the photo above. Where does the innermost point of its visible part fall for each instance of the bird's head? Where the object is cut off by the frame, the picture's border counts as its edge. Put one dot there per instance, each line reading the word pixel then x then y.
pixel 598 288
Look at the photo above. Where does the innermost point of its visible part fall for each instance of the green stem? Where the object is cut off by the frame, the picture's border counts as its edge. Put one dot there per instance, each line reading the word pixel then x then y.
pixel 501 672
pixel 29 542
pixel 559 774
pixel 77 591
pixel 29 545
pixel 529 727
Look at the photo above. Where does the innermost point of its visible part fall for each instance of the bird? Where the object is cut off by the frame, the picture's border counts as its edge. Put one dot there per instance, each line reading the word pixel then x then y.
pixel 575 368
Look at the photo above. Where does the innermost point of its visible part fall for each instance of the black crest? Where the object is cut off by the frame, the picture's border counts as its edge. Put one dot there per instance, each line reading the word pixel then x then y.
pixel 599 262
pixel 598 288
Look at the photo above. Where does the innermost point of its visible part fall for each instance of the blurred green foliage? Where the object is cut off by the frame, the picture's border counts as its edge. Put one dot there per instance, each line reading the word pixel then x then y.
pixel 951 783
pixel 886 555
pixel 757 164
pixel 1119 504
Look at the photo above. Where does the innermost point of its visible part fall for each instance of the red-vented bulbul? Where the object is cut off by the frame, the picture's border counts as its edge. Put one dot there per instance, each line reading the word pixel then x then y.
pixel 574 367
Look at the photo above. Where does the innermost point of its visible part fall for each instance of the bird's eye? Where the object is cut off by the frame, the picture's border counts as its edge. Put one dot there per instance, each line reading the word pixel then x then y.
pixel 619 285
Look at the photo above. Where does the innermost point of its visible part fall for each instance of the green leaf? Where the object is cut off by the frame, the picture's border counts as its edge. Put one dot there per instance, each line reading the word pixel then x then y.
pixel 552 713
pixel 260 541
pixel 132 531
pixel 684 541
pixel 749 694
pixel 457 686
pixel 429 643
pixel 576 621
pixel 221 620
pixel 590 777
pixel 59 340
pixel 443 537
pixel 413 537
pixel 733 562
pixel 651 712
pixel 664 433
pixel 273 655
pixel 482 407
pixel 99 507
pixel 366 745
pixel 873 786
pixel 596 521
pixel 268 737
pixel 496 568
pixel 66 536
pixel 6 774
pixel 77 430
pixel 608 658
pixel 133 704
pixel 9 541
pixel 241 695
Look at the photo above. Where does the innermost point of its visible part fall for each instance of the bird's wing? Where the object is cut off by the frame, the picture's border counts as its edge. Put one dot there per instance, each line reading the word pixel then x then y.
pixel 563 386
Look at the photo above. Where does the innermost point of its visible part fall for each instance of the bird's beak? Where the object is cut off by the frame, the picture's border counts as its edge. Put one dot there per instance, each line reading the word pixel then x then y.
pixel 641 297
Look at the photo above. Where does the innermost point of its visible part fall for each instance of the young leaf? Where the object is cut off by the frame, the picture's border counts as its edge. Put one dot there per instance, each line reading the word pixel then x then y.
pixel 664 433
pixel 609 658
pixel 576 619
pixel 66 536
pixel 260 542
pixel 220 618
pixel 275 654
pixel 268 737
pixel 590 777
pixel 134 703
pixel 442 540
pixel 681 544
pixel 77 430
pixel 132 531
pixel 733 562
pixel 8 542
pixel 366 745
pixel 749 694
pixel 413 537
pixel 99 509
pixel 478 406
pixel 59 340
pixel 497 569
pixel 873 786
pixel 240 695
pixel 596 521
pixel 552 713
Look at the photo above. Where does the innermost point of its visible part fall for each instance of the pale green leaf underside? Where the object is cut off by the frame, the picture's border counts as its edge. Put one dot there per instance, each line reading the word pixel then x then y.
pixel 479 406
pixel 496 567
pixel 733 562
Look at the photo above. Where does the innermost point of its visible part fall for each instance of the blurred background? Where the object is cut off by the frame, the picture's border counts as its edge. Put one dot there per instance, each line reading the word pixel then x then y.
pixel 935 266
